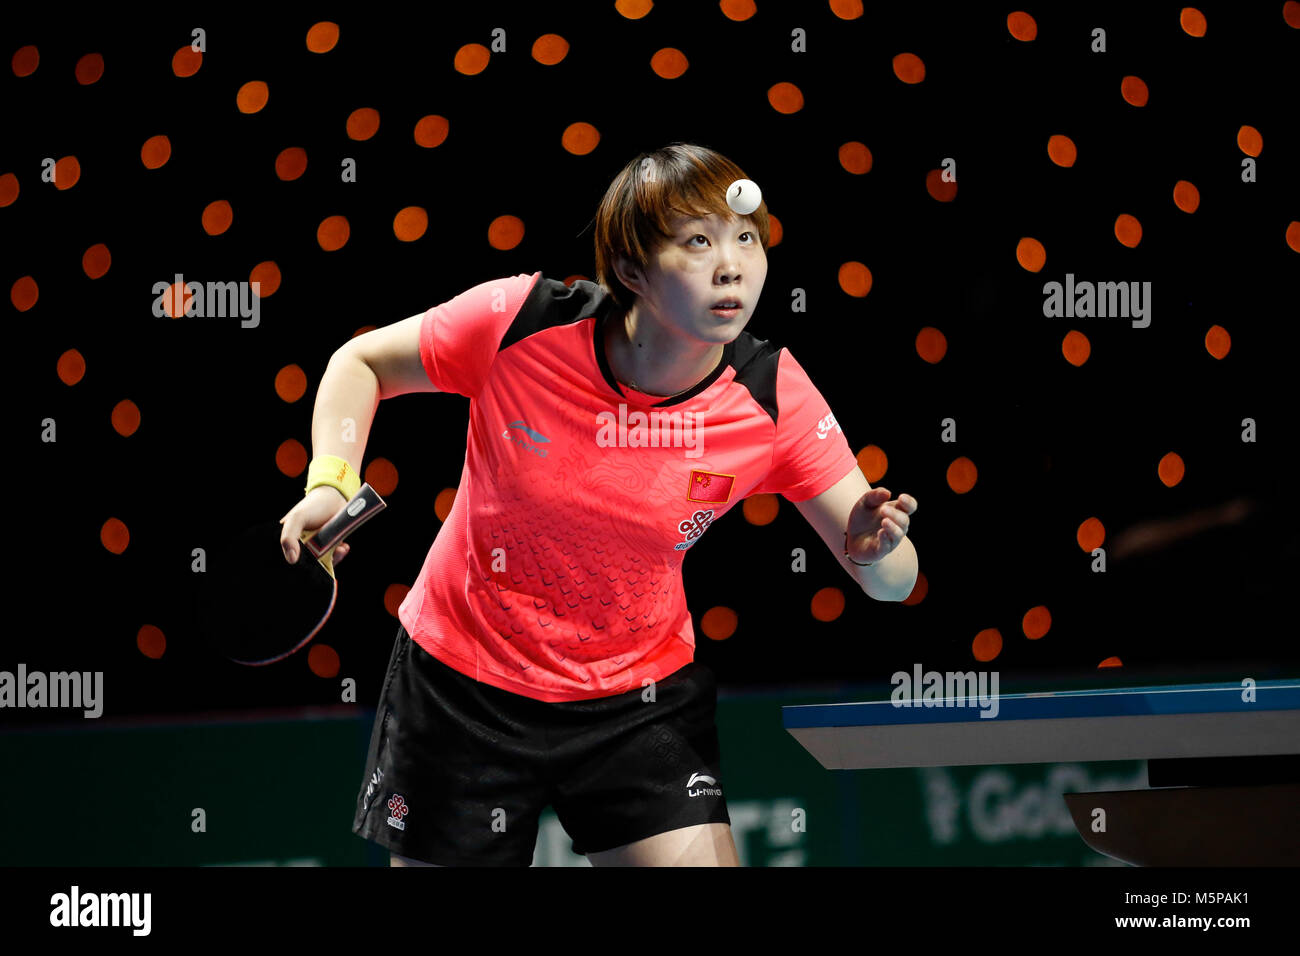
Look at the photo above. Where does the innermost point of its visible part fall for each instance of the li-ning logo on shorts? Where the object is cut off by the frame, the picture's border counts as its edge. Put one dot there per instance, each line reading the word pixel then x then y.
pixel 398 808
pixel 693 527
pixel 376 779
pixel 709 791
pixel 826 424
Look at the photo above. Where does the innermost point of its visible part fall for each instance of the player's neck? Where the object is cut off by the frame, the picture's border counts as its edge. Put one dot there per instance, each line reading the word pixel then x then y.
pixel 644 356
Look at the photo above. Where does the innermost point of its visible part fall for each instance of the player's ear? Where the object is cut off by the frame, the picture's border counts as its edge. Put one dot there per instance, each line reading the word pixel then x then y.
pixel 628 273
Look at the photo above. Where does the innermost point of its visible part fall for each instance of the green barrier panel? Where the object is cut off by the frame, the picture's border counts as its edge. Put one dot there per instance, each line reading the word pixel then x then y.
pixel 282 791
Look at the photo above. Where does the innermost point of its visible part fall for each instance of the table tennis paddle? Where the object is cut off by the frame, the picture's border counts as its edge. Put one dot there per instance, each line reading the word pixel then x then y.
pixel 256 608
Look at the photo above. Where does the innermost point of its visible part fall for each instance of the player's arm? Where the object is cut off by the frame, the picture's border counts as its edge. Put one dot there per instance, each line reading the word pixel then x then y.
pixel 393 354
pixel 889 579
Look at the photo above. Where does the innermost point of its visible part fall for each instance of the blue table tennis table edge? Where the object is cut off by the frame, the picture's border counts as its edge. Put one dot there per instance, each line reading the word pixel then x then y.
pixel 1114 702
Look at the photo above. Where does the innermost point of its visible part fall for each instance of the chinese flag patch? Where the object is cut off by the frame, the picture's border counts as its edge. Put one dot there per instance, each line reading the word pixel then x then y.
pixel 709 486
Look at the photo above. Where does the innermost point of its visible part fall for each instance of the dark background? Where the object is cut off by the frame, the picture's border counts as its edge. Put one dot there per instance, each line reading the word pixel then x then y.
pixel 1054 444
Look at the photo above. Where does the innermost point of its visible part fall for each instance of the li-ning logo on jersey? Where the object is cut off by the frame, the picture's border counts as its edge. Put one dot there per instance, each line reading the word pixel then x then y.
pixel 826 424
pixel 709 791
pixel 693 527
pixel 534 437
pixel 375 779
pixel 397 809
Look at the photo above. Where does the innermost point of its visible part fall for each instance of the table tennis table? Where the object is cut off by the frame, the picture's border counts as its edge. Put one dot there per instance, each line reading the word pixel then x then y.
pixel 1223 759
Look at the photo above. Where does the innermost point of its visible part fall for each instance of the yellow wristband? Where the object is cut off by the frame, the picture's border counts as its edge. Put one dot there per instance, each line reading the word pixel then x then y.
pixel 333 471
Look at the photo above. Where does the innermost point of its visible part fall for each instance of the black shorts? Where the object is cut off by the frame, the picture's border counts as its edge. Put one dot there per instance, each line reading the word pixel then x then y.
pixel 459 771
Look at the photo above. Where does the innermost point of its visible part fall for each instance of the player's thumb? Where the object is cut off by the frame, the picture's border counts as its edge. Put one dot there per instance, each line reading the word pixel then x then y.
pixel 290 536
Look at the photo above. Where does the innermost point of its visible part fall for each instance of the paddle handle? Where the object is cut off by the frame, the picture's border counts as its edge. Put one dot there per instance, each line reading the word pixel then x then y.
pixel 363 506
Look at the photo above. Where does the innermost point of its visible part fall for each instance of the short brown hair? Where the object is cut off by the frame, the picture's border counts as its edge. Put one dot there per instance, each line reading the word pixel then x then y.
pixel 636 214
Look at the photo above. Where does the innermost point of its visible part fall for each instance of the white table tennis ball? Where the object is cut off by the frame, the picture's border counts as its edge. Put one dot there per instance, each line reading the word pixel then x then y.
pixel 744 196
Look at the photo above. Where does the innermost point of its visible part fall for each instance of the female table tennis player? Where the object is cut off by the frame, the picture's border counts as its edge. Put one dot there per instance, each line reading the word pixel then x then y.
pixel 546 654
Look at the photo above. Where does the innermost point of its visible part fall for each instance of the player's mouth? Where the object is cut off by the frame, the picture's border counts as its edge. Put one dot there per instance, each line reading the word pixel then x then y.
pixel 728 308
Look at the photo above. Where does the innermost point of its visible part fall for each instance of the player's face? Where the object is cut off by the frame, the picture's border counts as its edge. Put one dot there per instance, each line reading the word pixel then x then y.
pixel 705 261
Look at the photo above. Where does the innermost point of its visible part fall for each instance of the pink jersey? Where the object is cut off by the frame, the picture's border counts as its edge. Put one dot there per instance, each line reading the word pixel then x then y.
pixel 557 574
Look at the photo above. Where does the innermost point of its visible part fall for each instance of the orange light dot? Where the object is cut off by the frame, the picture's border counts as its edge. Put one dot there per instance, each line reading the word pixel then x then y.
pixel 8 189
pixel 855 157
pixel 410 223
pixel 909 68
pixel 931 345
pixel 290 163
pixel 114 536
pixel 1186 196
pixel 431 131
pixel 217 217
pixel 89 69
pixel 919 590
pixel 67 172
pixel 323 660
pixel 1091 535
pixel 939 188
pixel 1134 91
pixel 1293 235
pixel 290 383
pixel 363 330
pixel 785 98
pixel 775 230
pixel 579 138
pixel 1171 469
pixel 1076 348
pixel 265 278
pixel 855 279
pixel 505 232
pixel 25 60
pixel 96 260
pixel 1291 14
pixel 382 476
pixel 1250 141
pixel 550 48
pixel 633 9
pixel 177 299
pixel 1192 21
pixel 738 10
pixel 962 475
pixel 987 644
pixel 252 96
pixel 719 623
pixel 151 641
pixel 471 59
pixel 394 595
pixel 1218 342
pixel 291 458
pixel 186 61
pixel 1036 622
pixel 874 463
pixel 1022 26
pixel 827 604
pixel 156 151
pixel 24 293
pixel 669 63
pixel 363 123
pixel 1030 254
pixel 443 502
pixel 1128 230
pixel 1111 662
pixel 333 232
pixel 1061 150
pixel 71 367
pixel 760 509
pixel 126 418
pixel 322 37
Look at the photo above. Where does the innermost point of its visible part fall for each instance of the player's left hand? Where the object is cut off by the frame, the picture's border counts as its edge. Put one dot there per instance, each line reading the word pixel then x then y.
pixel 877 525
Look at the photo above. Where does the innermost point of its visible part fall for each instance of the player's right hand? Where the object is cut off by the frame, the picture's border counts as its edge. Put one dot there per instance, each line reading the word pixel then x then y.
pixel 316 507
